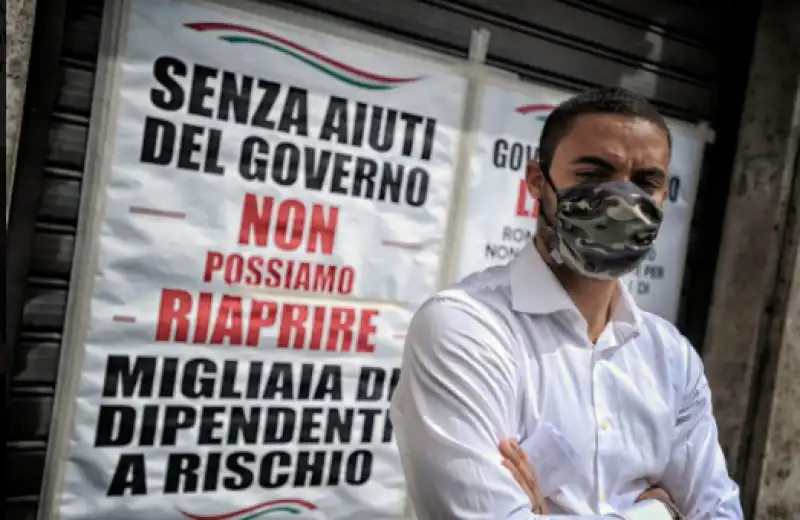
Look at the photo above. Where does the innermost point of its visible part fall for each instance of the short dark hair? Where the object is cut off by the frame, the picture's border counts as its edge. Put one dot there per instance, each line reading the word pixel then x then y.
pixel 612 100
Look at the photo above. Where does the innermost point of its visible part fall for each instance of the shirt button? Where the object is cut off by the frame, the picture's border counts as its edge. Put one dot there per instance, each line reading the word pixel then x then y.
pixel 606 426
pixel 603 496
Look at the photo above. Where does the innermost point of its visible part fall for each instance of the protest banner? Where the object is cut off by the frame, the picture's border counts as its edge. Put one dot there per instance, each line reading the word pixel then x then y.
pixel 501 216
pixel 272 200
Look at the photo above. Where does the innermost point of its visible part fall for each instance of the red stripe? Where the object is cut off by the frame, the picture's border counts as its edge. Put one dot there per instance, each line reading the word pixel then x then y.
pixel 138 210
pixel 217 26
pixel 527 109
pixel 233 514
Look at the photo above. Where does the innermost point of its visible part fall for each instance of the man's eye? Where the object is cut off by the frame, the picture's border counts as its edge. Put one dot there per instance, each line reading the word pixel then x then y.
pixel 591 175
pixel 650 184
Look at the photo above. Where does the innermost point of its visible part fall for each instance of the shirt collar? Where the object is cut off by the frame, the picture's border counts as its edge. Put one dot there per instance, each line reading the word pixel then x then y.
pixel 627 310
pixel 536 290
pixel 534 287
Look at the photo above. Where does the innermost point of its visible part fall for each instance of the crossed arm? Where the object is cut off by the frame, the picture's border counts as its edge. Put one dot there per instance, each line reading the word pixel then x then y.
pixel 457 393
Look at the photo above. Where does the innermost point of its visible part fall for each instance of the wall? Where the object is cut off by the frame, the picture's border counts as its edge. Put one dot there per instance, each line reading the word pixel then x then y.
pixel 779 481
pixel 17 40
pixel 752 342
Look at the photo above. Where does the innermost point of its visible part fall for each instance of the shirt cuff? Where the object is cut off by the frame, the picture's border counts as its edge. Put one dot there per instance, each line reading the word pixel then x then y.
pixel 649 510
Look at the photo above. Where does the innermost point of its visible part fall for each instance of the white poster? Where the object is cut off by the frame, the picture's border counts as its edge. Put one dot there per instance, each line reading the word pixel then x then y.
pixel 501 216
pixel 276 199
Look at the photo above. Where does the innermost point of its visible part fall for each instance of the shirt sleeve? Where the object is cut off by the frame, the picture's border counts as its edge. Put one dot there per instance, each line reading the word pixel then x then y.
pixel 456 400
pixel 696 475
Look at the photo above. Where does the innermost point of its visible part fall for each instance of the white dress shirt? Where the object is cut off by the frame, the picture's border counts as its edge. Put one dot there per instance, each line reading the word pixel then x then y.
pixel 505 354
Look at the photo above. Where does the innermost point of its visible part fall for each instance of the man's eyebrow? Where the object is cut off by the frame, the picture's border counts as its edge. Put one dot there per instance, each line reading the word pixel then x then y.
pixel 594 161
pixel 651 172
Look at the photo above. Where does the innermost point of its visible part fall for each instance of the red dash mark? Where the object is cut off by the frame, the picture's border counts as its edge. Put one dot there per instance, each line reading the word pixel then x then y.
pixel 527 109
pixel 124 319
pixel 401 245
pixel 138 210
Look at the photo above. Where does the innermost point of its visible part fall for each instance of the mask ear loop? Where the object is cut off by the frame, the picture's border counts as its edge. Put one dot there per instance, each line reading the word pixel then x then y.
pixel 550 240
pixel 546 174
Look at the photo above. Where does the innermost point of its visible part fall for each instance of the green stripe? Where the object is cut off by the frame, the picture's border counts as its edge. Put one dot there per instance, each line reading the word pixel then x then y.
pixel 308 61
pixel 290 510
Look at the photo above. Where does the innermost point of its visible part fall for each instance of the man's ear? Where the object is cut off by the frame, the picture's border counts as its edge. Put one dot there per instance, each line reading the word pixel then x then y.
pixel 534 178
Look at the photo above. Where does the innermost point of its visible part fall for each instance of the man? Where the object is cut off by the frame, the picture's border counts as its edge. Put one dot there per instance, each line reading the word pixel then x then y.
pixel 607 401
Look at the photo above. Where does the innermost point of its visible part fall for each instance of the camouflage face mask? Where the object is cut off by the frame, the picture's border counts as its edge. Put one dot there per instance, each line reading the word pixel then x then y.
pixel 603 230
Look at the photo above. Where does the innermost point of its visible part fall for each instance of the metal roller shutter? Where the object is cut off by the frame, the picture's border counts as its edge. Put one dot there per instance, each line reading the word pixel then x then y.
pixel 52 224
pixel 676 53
